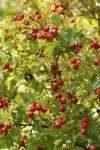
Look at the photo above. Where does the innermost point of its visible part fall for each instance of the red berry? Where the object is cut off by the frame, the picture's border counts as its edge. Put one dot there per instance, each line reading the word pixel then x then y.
pixel 44 109
pixel 5 66
pixel 98 91
pixel 92 147
pixel 35 30
pixel 33 36
pixel 54 87
pixel 63 100
pixel 42 36
pixel 10 69
pixel 69 95
pixel 53 9
pixel 60 82
pixel 85 125
pixel 73 47
pixel 31 16
pixel 74 100
pixel 26 22
pixel 96 62
pixel 30 114
pixel 85 120
pixel 19 18
pixel 54 67
pixel 40 148
pixel 46 28
pixel 94 45
pixel 24 137
pixel 38 106
pixel 8 126
pixel 76 66
pixel 63 121
pixel 39 16
pixel 58 95
pixel 1 125
pixel 54 27
pixel 4 130
pixel 73 60
pixel 26 1
pixel 72 20
pixel 54 72
pixel 21 15
pixel 57 124
pixel 62 108
pixel 32 108
pixel 1 105
pixel 84 131
pixel 53 32
pixel 22 144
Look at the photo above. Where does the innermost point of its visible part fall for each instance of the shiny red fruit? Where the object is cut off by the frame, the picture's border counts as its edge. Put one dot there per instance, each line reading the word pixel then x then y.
pixel 93 147
pixel 60 82
pixel 38 106
pixel 58 95
pixel 63 121
pixel 85 120
pixel 54 87
pixel 73 60
pixel 44 109
pixel 76 66
pixel 63 100
pixel 8 126
pixel 85 125
pixel 57 124
pixel 24 137
pixel 69 95
pixel 98 91
pixel 62 108
pixel 74 100
pixel 46 28
pixel 53 32
pixel 84 131
pixel 30 114
pixel 96 62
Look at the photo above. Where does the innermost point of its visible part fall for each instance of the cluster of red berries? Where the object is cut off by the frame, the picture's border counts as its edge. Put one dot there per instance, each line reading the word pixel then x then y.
pixel 4 128
pixel 7 67
pixel 47 33
pixel 72 97
pixel 62 100
pixel 75 64
pixel 76 47
pixel 95 45
pixel 85 124
pixel 34 107
pixel 3 102
pixel 54 69
pixel 23 139
pixel 59 124
pixel 59 7
pixel 57 86
pixel 19 17
pixel 96 62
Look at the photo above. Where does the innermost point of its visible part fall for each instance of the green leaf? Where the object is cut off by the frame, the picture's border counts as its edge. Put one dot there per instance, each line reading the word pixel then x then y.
pixel 49 49
pixel 55 19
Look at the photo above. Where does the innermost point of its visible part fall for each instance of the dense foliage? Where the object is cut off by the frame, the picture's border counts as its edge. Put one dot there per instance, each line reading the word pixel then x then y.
pixel 49 80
